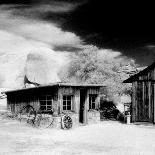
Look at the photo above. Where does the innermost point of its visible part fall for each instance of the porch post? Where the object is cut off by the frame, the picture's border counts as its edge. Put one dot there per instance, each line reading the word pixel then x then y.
pixel 86 104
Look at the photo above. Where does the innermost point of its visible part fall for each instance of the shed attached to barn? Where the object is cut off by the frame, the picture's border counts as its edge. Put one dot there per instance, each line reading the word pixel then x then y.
pixel 81 101
pixel 143 95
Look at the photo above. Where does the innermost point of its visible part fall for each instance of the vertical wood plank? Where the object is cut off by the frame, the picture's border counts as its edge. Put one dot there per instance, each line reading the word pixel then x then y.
pixel 149 95
pixel 143 102
pixel 134 102
pixel 60 100
pixel 86 105
pixel 154 103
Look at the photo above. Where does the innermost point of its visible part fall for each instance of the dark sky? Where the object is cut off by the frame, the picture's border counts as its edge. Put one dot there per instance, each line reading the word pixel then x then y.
pixel 123 26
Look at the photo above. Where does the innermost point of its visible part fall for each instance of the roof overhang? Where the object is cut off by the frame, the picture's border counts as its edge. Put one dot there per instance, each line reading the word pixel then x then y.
pixel 143 72
pixel 59 84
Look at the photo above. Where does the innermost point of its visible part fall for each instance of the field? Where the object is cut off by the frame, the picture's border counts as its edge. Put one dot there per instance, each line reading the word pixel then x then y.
pixel 105 138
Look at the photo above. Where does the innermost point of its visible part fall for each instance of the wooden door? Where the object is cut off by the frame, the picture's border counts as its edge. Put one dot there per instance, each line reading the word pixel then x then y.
pixel 146 101
pixel 153 103
pixel 143 109
pixel 82 105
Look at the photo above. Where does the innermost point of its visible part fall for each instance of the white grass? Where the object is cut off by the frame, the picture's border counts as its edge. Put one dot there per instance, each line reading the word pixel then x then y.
pixel 105 138
pixel 3 105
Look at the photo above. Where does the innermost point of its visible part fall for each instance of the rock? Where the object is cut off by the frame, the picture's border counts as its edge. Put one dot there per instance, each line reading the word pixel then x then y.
pixel 42 67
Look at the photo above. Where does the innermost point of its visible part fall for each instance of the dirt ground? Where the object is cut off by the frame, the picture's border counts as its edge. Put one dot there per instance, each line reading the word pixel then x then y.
pixel 105 138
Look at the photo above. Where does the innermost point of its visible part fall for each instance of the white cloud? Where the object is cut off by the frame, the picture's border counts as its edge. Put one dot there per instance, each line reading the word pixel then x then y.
pixel 39 9
pixel 108 53
pixel 13 53
pixel 37 30
pixel 13 43
pixel 21 35
pixel 49 34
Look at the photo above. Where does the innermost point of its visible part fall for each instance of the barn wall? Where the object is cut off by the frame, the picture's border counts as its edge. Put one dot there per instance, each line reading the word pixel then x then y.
pixel 134 102
pixel 89 116
pixel 143 101
pixel 17 101
pixel 150 75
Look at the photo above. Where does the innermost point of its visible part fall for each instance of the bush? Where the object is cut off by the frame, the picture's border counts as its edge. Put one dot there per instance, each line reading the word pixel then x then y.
pixel 108 110
pixel 8 115
pixel 121 117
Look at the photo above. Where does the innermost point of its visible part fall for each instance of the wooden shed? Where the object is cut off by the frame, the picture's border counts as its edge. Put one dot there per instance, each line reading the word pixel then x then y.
pixel 143 95
pixel 82 101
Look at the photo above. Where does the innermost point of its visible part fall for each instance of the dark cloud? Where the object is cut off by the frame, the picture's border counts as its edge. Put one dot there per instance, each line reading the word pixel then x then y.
pixel 67 48
pixel 127 27
pixel 107 24
pixel 144 55
pixel 16 2
pixel 113 24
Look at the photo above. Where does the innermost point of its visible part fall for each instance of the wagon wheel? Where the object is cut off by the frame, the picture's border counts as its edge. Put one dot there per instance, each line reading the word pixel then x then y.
pixel 28 113
pixel 44 120
pixel 66 122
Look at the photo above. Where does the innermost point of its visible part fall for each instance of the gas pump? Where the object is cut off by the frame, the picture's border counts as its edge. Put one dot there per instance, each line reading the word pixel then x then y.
pixel 127 113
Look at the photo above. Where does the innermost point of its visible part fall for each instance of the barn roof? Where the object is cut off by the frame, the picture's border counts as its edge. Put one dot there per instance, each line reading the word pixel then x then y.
pixel 59 84
pixel 143 72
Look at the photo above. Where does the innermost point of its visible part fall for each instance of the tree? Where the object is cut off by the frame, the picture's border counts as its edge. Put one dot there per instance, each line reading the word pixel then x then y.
pixel 95 66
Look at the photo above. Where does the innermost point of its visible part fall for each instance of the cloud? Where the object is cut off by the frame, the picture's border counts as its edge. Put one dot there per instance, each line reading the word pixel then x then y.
pixel 21 35
pixel 13 56
pixel 37 30
pixel 110 54
pixel 43 8
pixel 13 43
pixel 49 34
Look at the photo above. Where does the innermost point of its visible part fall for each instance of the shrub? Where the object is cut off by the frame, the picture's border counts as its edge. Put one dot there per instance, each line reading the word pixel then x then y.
pixel 108 110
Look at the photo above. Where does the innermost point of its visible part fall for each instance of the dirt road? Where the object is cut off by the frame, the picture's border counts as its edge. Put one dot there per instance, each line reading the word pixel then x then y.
pixel 105 138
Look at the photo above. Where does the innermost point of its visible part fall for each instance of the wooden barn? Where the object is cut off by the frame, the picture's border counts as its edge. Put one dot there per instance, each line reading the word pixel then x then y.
pixel 81 101
pixel 143 95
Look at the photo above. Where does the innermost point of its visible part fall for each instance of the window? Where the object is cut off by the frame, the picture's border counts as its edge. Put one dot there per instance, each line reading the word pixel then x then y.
pixel 67 102
pixel 46 102
pixel 92 101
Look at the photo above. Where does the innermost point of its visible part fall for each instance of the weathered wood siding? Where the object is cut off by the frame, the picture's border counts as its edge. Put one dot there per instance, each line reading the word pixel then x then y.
pixel 150 75
pixel 91 91
pixel 142 101
pixel 134 102
pixel 97 92
pixel 17 100
pixel 75 92
pixel 143 97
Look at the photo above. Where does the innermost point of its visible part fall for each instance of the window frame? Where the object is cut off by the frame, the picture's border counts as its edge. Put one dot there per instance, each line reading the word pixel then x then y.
pixel 91 107
pixel 66 105
pixel 46 100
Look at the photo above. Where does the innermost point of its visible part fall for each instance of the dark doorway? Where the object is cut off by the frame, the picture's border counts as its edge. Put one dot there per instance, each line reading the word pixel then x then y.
pixel 82 103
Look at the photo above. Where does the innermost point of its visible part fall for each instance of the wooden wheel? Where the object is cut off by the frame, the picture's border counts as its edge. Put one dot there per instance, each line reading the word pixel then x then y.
pixel 44 121
pixel 28 113
pixel 66 122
